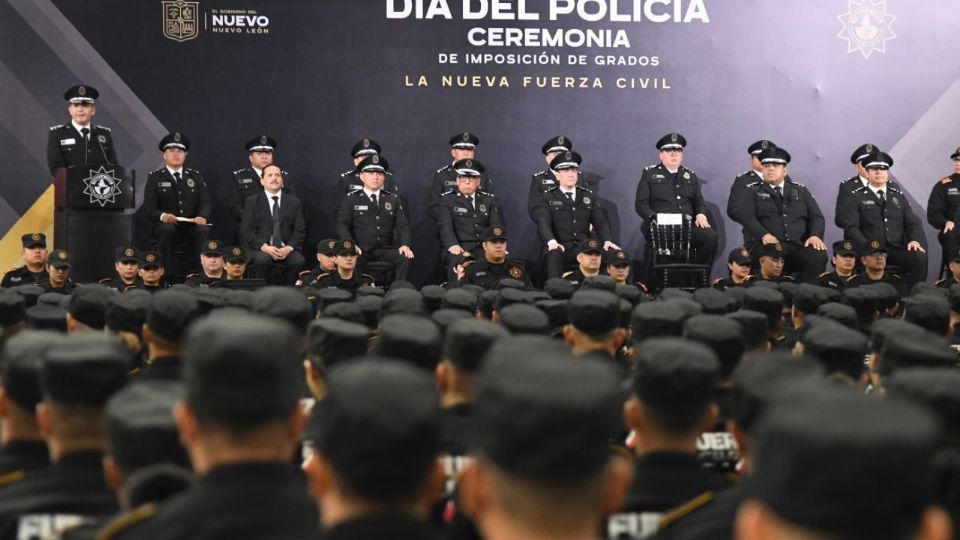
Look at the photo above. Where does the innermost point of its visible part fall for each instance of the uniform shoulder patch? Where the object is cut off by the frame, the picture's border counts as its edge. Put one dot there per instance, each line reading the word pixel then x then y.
pixel 853 277
pixel 188 169
pixel 157 170
pixel 325 274
pixel 56 127
pixel 444 168
pixel 238 171
pixel 859 189
pixel 445 193
pixel 825 274
pixel 347 173
pixel 104 280
pixel 354 192
pixel 13 269
pixel 648 167
pixel 538 173
pixel 485 193
pixel 105 128
pixel 565 274
pixel 691 171
pixel 127 520
pixel 754 184
pixel 554 188
pixel 12 477
pixel 305 272
pixel 945 180
pixel 686 509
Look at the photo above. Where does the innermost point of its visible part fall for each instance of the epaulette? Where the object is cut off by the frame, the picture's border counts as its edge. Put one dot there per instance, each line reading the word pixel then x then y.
pixel 325 274
pixel 129 288
pixel 781 337
pixel 578 186
pixel 732 477
pixel 554 188
pixel 105 128
pixel 892 187
pixel 445 193
pixel 157 170
pixel 718 280
pixel 388 192
pixel 104 280
pixel 347 173
pixel 853 277
pixel 861 188
pixel 538 173
pixel 485 193
pixel 304 272
pixel 691 171
pixel 188 169
pixel 787 278
pixel 445 168
pixel 13 269
pixel 939 282
pixel 642 286
pixel 518 264
pixel 898 276
pixel 368 276
pixel 238 171
pixel 752 184
pixel 354 191
pixel 791 181
pixel 127 520
pixel 191 276
pixel 12 477
pixel 565 274
pixel 58 126
pixel 825 274
pixel 135 372
pixel 945 180
pixel 686 509
pixel 748 278
pixel 654 166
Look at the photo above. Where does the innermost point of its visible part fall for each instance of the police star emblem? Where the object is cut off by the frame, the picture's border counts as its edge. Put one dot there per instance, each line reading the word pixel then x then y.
pixel 866 26
pixel 515 272
pixel 181 20
pixel 102 186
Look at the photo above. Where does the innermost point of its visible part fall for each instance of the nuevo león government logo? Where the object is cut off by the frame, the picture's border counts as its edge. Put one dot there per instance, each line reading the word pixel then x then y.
pixel 867 26
pixel 102 186
pixel 181 20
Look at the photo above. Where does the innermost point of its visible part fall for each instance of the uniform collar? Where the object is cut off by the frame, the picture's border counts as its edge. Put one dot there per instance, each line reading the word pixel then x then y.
pixel 78 127
pixel 369 193
pixel 171 171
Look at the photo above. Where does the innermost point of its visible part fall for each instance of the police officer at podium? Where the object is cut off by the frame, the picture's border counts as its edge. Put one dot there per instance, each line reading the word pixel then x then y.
pixel 246 181
pixel 34 256
pixel 176 201
pixel 669 187
pixel 79 142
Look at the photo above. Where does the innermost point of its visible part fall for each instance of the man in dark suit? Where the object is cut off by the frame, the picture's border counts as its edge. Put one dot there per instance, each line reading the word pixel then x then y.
pixel 176 201
pixel 273 227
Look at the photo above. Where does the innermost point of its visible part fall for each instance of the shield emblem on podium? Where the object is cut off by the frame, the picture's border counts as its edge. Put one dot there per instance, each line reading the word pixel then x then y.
pixel 181 20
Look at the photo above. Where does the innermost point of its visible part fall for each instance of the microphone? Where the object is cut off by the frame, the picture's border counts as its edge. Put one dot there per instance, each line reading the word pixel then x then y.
pixel 103 152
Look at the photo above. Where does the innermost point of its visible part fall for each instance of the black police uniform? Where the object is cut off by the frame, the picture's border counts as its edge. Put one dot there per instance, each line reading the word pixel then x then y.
pixel 661 482
pixel 166 368
pixel 574 277
pixel 200 279
pixel 660 191
pixel 118 284
pixel 148 288
pixel 462 219
pixel 21 276
pixel 865 216
pixel 568 222
pixel 444 181
pixel 47 287
pixel 792 216
pixel 894 279
pixel 377 229
pixel 740 183
pixel 67 147
pixel 942 207
pixel 833 280
pixel 187 198
pixel 333 279
pixel 848 186
pixel 21 456
pixel 350 181
pixel 727 283
pixel 488 275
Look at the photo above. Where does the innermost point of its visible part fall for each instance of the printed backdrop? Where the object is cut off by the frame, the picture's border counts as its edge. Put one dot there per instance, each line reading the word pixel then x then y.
pixel 818 78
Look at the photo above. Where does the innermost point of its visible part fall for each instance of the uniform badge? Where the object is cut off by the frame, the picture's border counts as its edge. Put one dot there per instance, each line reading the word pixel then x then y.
pixel 263 139
pixel 212 245
pixel 35 237
pixel 482 208
pixel 875 244
pixel 128 252
pixel 150 258
pixel 469 163
pixel 560 140
pixel 593 244
pixel 177 137
pixel 586 200
pixel 331 244
pixel 387 206
pixel 466 137
pixel 764 144
pixel 848 245
pixel 896 201
pixel 515 272
pixel 869 148
pixel 236 251
pixel 102 139
pixel 375 160
pixel 777 247
pixel 673 137
pixel 347 244
pixel 190 182
pixel 497 231
pixel 621 255
pixel 744 253
pixel 686 176
pixel 82 90
pixel 568 155
pixel 366 143
pixel 62 256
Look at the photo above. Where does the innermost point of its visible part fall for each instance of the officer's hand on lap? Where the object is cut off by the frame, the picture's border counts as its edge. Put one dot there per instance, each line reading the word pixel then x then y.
pixel 406 252
pixel 455 250
pixel 168 218
pixel 200 220
pixel 915 246
pixel 553 244
pixel 702 221
pixel 948 226
pixel 816 242
pixel 610 245
pixel 769 239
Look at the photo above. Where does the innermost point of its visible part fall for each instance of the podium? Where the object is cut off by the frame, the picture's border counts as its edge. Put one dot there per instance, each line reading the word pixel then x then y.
pixel 93 215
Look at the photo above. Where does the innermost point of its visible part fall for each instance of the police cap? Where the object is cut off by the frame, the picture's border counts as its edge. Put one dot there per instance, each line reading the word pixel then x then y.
pixel 878 160
pixel 149 259
pixel 330 296
pixel 761 379
pixel 81 93
pixel 445 317
pixel 863 151
pixel 929 311
pixel 432 297
pixel 469 168
pixel 884 327
pixel 12 308
pixel 22 359
pixel 594 312
pixel 331 341
pixel 870 247
pixel 413 338
pixel 42 317
pixel 520 318
pixel 774 155
pixel 740 256
pixel 407 301
pixel 365 147
pixel 493 233
pixel 85 368
pixel 373 163
pixel 675 380
pixel 174 140
pixel 88 304
pixel 380 426
pixel 522 402
pixel 140 426
pixel 53 299
pixel 284 303
pixel 759 146
pixel 616 257
pixel 809 297
pixel 31 240
pixel 672 141
pixel 774 250
pixel 345 311
pixel 844 248
pixel 864 301
pixel 955 154
pixel 656 319
pixel 327 246
pixel 934 388
pixel 630 293
pixel 212 248
pixel 590 245
pixel 459 299
pixel 508 297
pixel 756 327
pixel 58 258
pixel 838 312
pixel 171 313
pixel 838 348
pixel 722 335
pixel 871 439
pixel 558 288
pixel 468 341
pixel 345 247
pixel 464 141
pixel 566 160
pixel 370 305
pixel 598 282
pixel 127 312
pixel 764 300
pixel 557 144
pixel 901 351
pixel 556 311
pixel 126 254
pixel 715 301
pixel 263 143
pixel 235 254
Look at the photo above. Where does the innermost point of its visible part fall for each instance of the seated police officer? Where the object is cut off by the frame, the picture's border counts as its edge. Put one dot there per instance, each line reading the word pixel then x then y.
pixel 494 265
pixel 844 262
pixel 589 261
pixel 176 201
pixel 246 181
pixel 374 220
pixel 235 262
pixel 211 272
pixel 771 262
pixel 755 174
pixel 150 270
pixel 881 211
pixel 466 212
pixel 544 180
pixel 738 263
pixel 873 258
pixel 274 228
pixel 566 213
pixel 58 273
pixel 350 179
pixel 125 264
pixel 671 188
pixel 953 264
pixel 34 257
pixel 616 263
pixel 80 142
pixel 942 207
pixel 326 259
pixel 853 183
pixel 462 146
pixel 345 274
pixel 778 211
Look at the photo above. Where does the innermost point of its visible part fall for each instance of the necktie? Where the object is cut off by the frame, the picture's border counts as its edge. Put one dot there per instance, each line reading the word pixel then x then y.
pixel 176 177
pixel 275 237
pixel 374 199
pixel 883 200
pixel 779 191
pixel 569 196
pixel 86 139
pixel 472 204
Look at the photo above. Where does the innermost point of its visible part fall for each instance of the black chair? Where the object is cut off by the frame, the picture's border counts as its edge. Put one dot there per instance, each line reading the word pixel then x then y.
pixel 668 253
pixel 382 272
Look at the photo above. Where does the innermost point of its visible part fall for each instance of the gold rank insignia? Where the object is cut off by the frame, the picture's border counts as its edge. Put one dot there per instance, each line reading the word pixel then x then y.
pixel 593 243
pixel 212 245
pixel 128 252
pixel 347 244
pixel 848 245
pixel 875 244
pixel 150 258
pixel 515 272
pixel 62 256
pixel 237 251
pixel 35 236
pixel 621 255
pixel 497 231
pixel 744 253
pixel 945 180
pixel 777 247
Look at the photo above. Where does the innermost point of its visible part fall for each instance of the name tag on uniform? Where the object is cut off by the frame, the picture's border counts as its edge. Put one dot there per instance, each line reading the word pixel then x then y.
pixel 953 191
pixel 68 141
pixel 356 186
pixel 763 196
pixel 164 184
pixel 246 180
pixel 458 210
pixel 449 182
pixel 868 202
pixel 659 176
pixel 363 207
pixel 556 203
pixel 481 273
pixel 547 181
